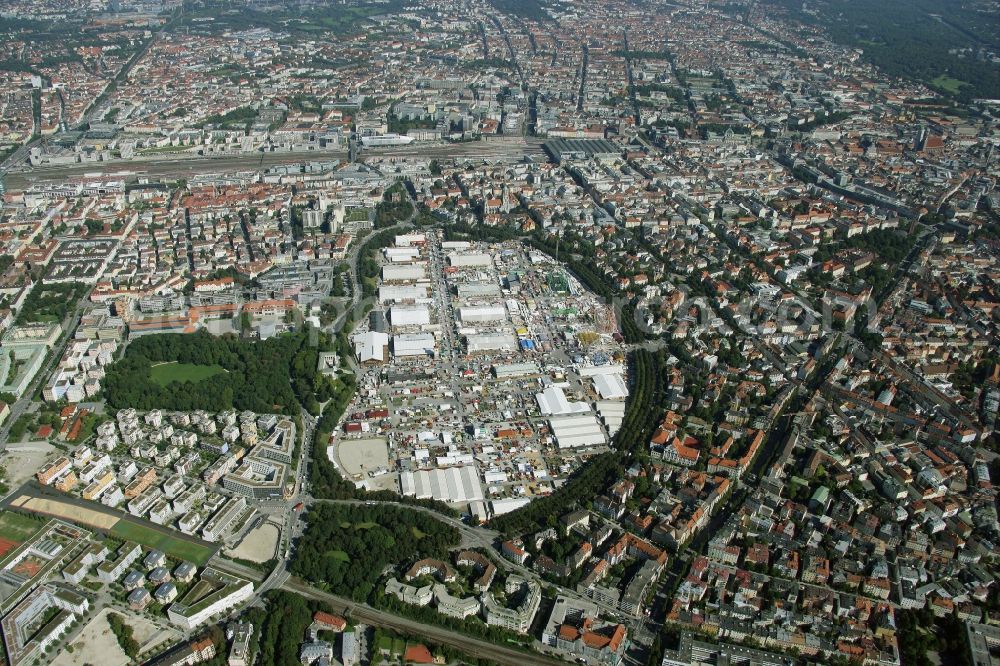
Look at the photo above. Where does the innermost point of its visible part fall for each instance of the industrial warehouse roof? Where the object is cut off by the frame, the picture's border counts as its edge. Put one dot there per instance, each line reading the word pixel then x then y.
pixel 610 387
pixel 392 272
pixel 478 289
pixel 478 342
pixel 507 370
pixel 371 346
pixel 481 313
pixel 409 315
pixel 453 484
pixel 552 401
pixel 407 292
pixel 576 430
pixel 411 344
pixel 469 259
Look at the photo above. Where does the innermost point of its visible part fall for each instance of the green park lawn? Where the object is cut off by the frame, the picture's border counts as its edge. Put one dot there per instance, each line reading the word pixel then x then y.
pixel 948 83
pixel 167 373
pixel 339 555
pixel 174 546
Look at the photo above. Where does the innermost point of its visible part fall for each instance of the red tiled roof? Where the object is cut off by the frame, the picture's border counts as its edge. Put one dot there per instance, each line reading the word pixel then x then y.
pixel 568 632
pixel 332 621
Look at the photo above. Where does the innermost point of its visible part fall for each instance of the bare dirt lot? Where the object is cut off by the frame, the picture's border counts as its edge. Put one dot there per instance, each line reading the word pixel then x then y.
pixel 150 635
pixel 259 544
pixel 77 514
pixel 97 645
pixel 23 460
pixel 360 456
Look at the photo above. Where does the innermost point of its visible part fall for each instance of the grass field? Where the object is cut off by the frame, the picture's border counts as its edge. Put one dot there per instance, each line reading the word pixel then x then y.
pixel 356 215
pixel 171 545
pixel 162 149
pixel 166 373
pixel 18 528
pixel 946 82
pixel 339 555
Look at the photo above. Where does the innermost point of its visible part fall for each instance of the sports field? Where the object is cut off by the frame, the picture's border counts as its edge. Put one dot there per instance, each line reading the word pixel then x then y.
pixel 167 373
pixel 18 528
pixel 6 545
pixel 162 540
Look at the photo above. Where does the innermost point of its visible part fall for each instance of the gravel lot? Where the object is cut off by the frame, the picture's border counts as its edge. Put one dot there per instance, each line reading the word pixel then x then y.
pixel 360 456
pixel 259 544
pixel 94 645
pixel 23 460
